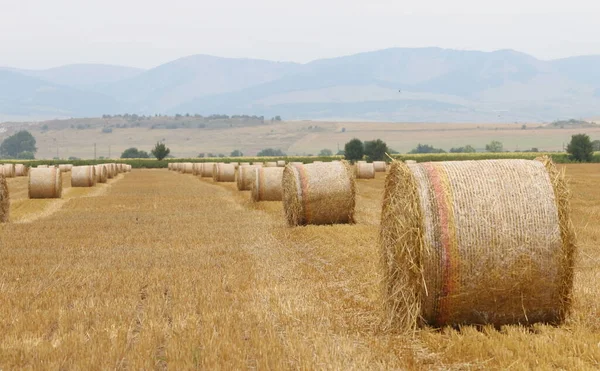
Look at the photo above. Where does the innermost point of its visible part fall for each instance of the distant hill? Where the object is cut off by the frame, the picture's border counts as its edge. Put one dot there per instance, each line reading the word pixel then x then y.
pixel 399 84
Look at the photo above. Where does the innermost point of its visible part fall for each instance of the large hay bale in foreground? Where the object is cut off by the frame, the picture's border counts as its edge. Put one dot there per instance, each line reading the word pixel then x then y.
pixel 4 200
pixel 21 170
pixel 8 170
pixel 476 242
pixel 380 166
pixel 319 193
pixel 224 173
pixel 65 167
pixel 83 176
pixel 245 177
pixel 45 183
pixel 207 169
pixel 365 170
pixel 101 173
pixel 267 184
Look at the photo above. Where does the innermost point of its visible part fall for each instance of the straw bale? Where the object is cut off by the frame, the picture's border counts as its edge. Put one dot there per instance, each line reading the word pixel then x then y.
pixel 187 168
pixel 169 166
pixel 235 164
pixel 21 170
pixel 271 164
pixel 224 173
pixel 4 200
pixel 317 162
pixel 410 162
pixel 244 164
pixel 361 162
pixel 380 166
pixel 43 166
pixel 281 163
pixel 65 167
pixel 207 169
pixel 267 184
pixel 197 168
pixel 45 183
pixel 245 177
pixel 476 242
pixel 365 170
pixel 101 174
pixel 83 176
pixel 258 163
pixel 297 163
pixel 8 170
pixel 319 193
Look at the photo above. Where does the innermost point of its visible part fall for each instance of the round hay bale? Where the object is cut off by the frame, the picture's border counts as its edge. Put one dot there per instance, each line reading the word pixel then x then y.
pixel 297 163
pixel 101 173
pixel 109 171
pixel 258 163
pixel 65 167
pixel 476 242
pixel 169 166
pixel 270 164
pixel 8 170
pixel 197 168
pixel 410 162
pixel 380 166
pixel 319 193
pixel 45 183
pixel 244 164
pixel 245 177
pixel 361 162
pixel 21 170
pixel 235 164
pixel 224 173
pixel 207 169
pixel 43 166
pixel 83 176
pixel 281 163
pixel 187 168
pixel 365 170
pixel 4 200
pixel 128 168
pixel 317 162
pixel 267 184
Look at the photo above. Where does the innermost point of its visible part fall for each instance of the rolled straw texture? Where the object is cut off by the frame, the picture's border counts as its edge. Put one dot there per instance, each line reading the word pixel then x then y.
pixel 45 183
pixel 8 170
pixel 197 168
pixel 187 168
pixel 101 174
pixel 170 166
pixel 476 242
pixel 4 200
pixel 380 166
pixel 224 173
pixel 281 163
pixel 83 176
pixel 65 167
pixel 207 169
pixel 365 170
pixel 267 184
pixel 319 193
pixel 245 177
pixel 21 170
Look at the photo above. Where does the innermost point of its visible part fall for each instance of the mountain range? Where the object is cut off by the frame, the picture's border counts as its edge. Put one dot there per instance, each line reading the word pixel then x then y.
pixel 399 84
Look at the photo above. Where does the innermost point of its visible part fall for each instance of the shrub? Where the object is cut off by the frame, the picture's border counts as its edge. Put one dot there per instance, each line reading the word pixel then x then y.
pixel 375 150
pixel 354 150
pixel 580 148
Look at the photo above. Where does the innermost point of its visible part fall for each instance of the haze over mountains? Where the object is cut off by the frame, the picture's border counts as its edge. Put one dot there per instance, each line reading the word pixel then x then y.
pixel 426 84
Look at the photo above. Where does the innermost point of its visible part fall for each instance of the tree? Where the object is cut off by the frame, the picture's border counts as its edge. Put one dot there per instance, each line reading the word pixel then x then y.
pixel 134 153
pixel 494 146
pixel 270 152
pixel 580 148
pixel 596 145
pixel 160 151
pixel 375 150
pixel 236 153
pixel 354 150
pixel 26 155
pixel 325 153
pixel 466 149
pixel 426 148
pixel 17 143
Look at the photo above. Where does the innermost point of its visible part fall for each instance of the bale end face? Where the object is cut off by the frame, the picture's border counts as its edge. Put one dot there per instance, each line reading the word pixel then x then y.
pixel 45 183
pixel 267 184
pixel 4 200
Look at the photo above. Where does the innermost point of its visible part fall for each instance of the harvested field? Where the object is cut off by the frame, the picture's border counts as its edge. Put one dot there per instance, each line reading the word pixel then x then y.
pixel 144 272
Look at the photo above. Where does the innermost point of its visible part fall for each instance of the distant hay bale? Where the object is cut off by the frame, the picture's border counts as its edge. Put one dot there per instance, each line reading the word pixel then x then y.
pixel 197 168
pixel 224 173
pixel 245 177
pixel 4 200
pixel 235 164
pixel 101 174
pixel 380 166
pixel 21 170
pixel 410 162
pixel 365 170
pixel 170 166
pixel 128 168
pixel 110 172
pixel 361 162
pixel 207 169
pixel 8 170
pixel 297 163
pixel 244 164
pixel 476 242
pixel 83 176
pixel 271 164
pixel 43 166
pixel 267 184
pixel 258 163
pixel 317 162
pixel 65 167
pixel 120 168
pixel 281 163
pixel 45 183
pixel 319 193
pixel 187 168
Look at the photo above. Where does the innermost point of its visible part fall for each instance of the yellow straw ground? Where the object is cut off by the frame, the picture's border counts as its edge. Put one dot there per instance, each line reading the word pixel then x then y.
pixel 164 270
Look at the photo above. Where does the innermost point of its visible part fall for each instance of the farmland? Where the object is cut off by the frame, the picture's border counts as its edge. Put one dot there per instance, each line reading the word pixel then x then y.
pixel 163 270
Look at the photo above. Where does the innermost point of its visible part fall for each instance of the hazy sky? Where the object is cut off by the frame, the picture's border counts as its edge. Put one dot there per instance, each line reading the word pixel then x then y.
pixel 146 33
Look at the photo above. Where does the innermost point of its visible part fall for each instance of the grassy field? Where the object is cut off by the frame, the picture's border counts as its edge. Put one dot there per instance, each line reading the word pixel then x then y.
pixel 158 270
pixel 62 138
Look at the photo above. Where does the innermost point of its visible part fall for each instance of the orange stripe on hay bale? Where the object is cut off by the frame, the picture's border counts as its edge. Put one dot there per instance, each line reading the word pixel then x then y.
pixel 476 242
